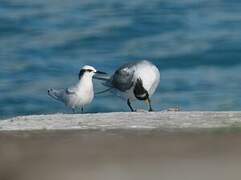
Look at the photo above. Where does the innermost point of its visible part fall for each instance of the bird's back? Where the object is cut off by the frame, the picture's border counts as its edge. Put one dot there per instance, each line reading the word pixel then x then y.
pixel 124 77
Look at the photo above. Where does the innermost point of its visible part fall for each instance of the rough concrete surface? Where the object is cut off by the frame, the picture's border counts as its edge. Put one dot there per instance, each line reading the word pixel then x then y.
pixel 130 146
pixel 124 120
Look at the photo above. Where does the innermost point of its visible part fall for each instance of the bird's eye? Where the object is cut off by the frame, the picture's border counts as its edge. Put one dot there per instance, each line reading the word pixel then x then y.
pixel 89 70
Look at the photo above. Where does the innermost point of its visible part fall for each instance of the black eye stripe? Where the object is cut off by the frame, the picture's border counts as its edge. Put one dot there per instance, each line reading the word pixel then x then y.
pixel 82 71
pixel 86 70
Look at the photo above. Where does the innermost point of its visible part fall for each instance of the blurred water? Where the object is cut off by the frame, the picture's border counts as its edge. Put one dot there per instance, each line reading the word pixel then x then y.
pixel 195 44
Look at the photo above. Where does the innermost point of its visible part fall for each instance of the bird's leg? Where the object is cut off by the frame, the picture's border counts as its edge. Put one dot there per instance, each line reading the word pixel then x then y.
pixel 149 102
pixel 129 104
pixel 82 110
pixel 73 110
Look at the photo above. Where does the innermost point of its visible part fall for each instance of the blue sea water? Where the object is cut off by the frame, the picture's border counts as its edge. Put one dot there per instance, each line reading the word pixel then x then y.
pixel 196 44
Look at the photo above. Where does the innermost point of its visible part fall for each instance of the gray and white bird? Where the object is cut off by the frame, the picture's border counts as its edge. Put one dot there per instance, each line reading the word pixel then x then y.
pixel 80 94
pixel 134 81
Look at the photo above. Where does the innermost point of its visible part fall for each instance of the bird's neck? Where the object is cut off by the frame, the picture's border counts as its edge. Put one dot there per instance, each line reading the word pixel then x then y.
pixel 85 82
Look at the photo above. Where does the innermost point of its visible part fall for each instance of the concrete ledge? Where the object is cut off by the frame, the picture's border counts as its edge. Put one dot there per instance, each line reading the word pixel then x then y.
pixel 124 120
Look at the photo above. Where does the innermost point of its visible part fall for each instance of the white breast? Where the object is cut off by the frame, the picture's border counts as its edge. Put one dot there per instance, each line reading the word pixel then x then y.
pixel 83 95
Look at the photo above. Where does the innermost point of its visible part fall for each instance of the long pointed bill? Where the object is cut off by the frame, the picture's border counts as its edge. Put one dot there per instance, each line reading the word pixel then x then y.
pixel 100 72
pixel 101 75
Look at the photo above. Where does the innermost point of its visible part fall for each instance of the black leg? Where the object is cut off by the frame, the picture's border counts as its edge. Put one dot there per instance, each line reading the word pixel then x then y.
pixel 129 104
pixel 82 110
pixel 73 110
pixel 149 102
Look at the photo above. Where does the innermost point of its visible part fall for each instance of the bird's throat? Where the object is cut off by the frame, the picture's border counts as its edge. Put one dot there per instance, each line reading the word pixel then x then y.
pixel 85 82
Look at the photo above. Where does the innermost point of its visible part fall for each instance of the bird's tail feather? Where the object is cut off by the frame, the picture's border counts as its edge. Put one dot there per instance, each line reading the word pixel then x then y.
pixel 56 94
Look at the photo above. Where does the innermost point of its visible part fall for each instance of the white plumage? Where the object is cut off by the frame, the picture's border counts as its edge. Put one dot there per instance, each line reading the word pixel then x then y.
pixel 80 94
pixel 132 81
pixel 147 72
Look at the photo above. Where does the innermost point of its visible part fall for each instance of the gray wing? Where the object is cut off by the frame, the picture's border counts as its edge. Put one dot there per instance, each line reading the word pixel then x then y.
pixel 70 90
pixel 123 77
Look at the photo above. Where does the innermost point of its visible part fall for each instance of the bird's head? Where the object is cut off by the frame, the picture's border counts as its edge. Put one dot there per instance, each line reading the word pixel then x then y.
pixel 89 70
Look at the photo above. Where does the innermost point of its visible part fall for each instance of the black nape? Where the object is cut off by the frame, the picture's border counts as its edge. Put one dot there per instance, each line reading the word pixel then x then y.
pixel 139 91
pixel 82 71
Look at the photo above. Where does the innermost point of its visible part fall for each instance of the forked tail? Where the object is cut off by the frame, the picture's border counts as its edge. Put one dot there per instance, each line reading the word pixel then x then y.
pixel 56 94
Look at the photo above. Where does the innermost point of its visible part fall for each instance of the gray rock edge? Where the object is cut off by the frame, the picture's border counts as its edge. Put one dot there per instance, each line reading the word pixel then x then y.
pixel 166 121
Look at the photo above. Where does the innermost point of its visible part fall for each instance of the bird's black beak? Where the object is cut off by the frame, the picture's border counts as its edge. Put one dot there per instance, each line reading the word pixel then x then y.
pixel 99 75
pixel 100 72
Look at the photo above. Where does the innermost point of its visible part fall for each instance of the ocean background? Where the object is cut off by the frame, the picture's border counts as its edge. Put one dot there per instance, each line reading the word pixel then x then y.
pixel 196 44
